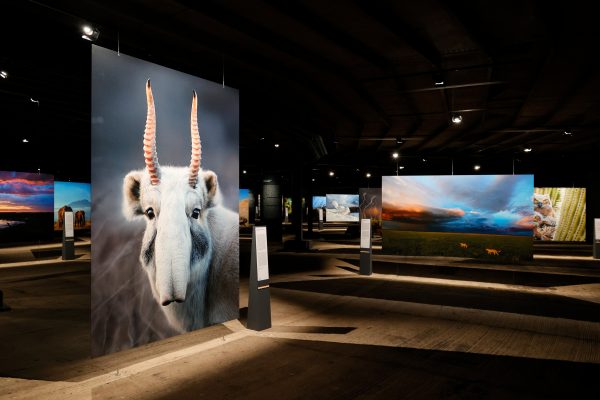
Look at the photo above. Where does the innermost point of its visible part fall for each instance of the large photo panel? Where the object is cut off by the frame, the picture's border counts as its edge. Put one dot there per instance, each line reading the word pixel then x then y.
pixel 26 201
pixel 559 214
pixel 165 256
pixel 478 216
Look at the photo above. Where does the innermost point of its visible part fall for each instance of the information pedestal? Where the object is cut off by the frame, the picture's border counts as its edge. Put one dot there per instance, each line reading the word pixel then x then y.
pixel 320 211
pixel 259 300
pixel 366 264
pixel 68 249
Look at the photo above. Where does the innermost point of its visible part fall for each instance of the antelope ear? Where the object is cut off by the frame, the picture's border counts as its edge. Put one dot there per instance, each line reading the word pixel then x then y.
pixel 132 207
pixel 212 188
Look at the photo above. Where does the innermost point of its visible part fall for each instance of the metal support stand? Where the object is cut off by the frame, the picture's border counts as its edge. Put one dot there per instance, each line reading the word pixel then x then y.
pixel 366 263
pixel 259 301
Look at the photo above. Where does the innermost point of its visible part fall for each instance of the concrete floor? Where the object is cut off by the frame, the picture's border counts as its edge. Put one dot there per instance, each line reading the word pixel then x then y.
pixel 417 328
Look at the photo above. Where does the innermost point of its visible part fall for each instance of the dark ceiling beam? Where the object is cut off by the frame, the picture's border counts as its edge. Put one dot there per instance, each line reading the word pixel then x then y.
pixel 476 35
pixel 332 71
pixel 440 129
pixel 386 17
pixel 563 99
pixel 303 15
pixel 473 127
pixel 254 65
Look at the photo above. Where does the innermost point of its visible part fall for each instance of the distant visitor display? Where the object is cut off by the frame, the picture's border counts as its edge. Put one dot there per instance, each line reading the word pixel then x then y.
pixel 319 201
pixel 26 201
pixel 246 203
pixel 287 206
pixel 480 216
pixel 559 214
pixel 342 208
pixel 76 195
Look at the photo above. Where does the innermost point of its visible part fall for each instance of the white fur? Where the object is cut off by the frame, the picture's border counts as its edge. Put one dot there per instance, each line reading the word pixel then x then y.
pixel 208 286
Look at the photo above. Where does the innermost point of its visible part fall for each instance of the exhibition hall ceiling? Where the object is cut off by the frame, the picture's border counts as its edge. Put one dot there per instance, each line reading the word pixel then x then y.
pixel 337 84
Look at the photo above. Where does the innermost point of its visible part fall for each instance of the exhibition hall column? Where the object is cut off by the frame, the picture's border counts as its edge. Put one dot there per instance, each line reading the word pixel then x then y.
pixel 270 207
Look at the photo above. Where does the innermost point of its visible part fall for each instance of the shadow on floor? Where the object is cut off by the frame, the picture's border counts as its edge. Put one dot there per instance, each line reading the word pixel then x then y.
pixel 474 274
pixel 300 369
pixel 337 330
pixel 540 304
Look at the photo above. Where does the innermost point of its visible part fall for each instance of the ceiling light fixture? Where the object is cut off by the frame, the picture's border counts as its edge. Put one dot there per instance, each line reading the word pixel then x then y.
pixel 25 140
pixel 399 141
pixel 527 149
pixel 439 83
pixel 3 74
pixel 567 133
pixel 90 33
pixel 401 167
pixel 476 167
pixel 424 160
pixel 368 174
pixel 457 119
pixel 395 155
pixel 313 179
pixel 331 173
pixel 244 171
pixel 276 145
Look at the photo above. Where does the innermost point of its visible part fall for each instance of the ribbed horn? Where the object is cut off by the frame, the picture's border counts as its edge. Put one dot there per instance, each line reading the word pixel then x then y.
pixel 150 156
pixel 196 144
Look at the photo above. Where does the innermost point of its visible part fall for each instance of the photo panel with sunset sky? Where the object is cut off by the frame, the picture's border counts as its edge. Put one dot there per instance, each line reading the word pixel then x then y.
pixel 26 201
pixel 474 216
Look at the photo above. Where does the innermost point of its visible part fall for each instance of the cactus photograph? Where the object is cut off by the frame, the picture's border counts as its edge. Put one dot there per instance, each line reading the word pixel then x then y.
pixel 559 214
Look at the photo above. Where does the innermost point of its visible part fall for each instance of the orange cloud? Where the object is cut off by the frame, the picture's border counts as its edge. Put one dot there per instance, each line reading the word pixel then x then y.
pixel 525 222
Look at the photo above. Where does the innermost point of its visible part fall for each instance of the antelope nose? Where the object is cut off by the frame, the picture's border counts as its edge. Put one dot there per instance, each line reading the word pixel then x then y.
pixel 166 302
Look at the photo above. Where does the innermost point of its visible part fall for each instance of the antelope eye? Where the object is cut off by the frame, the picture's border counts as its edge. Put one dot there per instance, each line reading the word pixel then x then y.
pixel 196 213
pixel 150 213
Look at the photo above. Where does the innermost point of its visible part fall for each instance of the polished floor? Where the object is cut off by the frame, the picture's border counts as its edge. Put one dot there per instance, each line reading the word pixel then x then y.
pixel 417 328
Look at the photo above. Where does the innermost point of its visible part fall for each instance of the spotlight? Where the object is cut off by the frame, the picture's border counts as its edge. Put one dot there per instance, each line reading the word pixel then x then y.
pixel 399 141
pixel 3 74
pixel 439 83
pixel 527 149
pixel 395 155
pixel 313 179
pixel 368 174
pixel 244 171
pixel 424 160
pixel 90 33
pixel 331 173
pixel 276 144
pixel 476 167
pixel 25 140
pixel 457 118
pixel 401 167
pixel 567 133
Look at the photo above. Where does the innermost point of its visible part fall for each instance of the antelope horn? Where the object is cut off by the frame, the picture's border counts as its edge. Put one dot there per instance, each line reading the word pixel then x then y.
pixel 150 156
pixel 196 145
